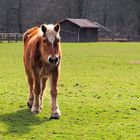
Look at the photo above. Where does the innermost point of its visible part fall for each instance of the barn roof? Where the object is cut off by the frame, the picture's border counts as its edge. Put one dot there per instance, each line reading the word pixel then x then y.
pixel 101 26
pixel 83 23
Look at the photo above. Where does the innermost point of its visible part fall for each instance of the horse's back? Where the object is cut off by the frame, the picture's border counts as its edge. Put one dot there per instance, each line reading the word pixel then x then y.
pixel 30 39
pixel 29 34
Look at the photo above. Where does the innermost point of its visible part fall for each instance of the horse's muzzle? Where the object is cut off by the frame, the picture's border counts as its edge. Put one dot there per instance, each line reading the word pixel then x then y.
pixel 53 60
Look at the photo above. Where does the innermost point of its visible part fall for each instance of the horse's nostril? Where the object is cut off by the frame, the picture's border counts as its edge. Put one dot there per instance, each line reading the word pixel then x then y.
pixel 53 60
pixel 50 60
pixel 56 59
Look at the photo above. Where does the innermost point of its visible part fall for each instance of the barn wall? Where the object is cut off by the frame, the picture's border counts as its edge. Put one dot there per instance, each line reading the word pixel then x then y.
pixel 88 35
pixel 69 32
pixel 68 37
pixel 69 26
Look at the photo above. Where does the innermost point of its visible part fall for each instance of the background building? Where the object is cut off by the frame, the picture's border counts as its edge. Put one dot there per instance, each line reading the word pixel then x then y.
pixel 78 30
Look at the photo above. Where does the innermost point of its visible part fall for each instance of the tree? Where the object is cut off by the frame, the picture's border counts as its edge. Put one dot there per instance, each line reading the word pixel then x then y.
pixel 7 17
pixel 19 16
pixel 105 13
pixel 67 7
pixel 80 8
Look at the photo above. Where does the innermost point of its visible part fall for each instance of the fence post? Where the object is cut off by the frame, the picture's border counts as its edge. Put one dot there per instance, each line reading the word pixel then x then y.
pixel 0 38
pixel 128 38
pixel 112 37
pixel 78 39
pixel 16 37
pixel 8 37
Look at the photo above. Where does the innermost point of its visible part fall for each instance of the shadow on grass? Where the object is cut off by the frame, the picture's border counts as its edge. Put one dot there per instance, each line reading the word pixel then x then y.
pixel 20 122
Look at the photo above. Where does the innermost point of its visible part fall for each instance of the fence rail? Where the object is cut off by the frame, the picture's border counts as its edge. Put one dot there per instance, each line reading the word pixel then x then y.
pixel 119 38
pixel 15 37
pixel 10 37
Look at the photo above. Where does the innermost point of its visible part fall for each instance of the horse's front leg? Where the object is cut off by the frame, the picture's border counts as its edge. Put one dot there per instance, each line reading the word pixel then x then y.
pixel 37 93
pixel 53 91
pixel 43 85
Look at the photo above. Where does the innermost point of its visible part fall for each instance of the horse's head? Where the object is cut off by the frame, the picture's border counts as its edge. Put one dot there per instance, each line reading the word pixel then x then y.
pixel 50 43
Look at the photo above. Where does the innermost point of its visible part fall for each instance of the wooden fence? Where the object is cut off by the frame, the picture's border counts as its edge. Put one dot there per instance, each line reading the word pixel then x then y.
pixel 10 37
pixel 15 37
pixel 119 38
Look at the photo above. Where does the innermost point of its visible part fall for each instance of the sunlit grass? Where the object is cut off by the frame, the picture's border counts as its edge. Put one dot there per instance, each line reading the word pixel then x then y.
pixel 99 94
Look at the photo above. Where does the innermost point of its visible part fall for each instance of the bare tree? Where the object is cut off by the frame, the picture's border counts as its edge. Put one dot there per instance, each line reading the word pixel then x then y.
pixel 105 13
pixel 19 16
pixel 138 15
pixel 80 4
pixel 7 16
pixel 67 7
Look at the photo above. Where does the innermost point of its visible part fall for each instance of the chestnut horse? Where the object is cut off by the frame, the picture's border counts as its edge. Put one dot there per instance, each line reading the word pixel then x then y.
pixel 42 54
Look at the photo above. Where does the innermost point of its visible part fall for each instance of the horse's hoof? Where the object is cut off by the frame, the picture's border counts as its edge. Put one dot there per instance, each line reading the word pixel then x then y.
pixel 55 116
pixel 35 110
pixel 41 107
pixel 29 105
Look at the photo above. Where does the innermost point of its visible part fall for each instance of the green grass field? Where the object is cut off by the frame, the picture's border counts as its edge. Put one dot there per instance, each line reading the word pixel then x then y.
pixel 99 94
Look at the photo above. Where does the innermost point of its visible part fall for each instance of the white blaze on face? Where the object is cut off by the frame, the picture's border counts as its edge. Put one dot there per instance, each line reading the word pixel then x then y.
pixel 51 33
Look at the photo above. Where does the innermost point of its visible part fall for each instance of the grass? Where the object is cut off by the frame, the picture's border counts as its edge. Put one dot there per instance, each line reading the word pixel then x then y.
pixel 99 94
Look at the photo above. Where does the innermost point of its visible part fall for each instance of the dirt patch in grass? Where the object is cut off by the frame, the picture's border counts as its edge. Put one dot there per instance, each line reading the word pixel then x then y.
pixel 136 62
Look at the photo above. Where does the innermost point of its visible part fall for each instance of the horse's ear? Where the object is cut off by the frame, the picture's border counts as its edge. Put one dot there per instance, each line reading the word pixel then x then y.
pixel 43 28
pixel 57 27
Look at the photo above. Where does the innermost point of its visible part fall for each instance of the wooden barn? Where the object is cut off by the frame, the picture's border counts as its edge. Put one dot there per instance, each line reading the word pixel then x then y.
pixel 78 30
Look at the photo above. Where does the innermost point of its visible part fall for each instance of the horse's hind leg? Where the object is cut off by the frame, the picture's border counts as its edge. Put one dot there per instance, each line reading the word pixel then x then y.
pixel 30 83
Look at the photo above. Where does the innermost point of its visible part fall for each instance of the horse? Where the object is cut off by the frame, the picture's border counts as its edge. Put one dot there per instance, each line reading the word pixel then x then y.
pixel 42 57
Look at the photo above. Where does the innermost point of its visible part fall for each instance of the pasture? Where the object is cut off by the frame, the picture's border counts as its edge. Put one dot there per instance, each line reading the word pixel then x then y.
pixel 99 94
